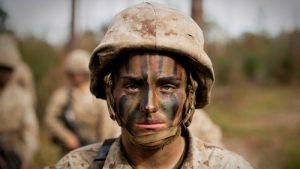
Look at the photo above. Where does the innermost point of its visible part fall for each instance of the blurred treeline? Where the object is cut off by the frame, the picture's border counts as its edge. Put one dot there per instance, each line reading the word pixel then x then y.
pixel 257 58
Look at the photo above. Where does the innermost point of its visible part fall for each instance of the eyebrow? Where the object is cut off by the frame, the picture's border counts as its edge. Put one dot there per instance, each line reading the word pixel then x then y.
pixel 168 78
pixel 132 78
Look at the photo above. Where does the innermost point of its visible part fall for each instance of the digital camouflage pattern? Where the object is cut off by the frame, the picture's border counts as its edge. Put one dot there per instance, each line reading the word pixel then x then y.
pixel 91 115
pixel 199 155
pixel 19 127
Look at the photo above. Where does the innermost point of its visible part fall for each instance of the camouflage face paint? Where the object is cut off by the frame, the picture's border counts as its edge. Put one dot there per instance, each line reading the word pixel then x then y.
pixel 149 90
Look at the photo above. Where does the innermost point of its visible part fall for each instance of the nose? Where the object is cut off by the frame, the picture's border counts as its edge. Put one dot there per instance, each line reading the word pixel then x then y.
pixel 149 102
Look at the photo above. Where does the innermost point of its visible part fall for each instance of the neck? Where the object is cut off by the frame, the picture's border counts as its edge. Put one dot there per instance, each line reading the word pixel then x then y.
pixel 166 157
pixel 83 86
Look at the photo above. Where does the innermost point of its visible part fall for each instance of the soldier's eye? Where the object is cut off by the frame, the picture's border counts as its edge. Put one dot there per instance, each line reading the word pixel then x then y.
pixel 167 88
pixel 131 88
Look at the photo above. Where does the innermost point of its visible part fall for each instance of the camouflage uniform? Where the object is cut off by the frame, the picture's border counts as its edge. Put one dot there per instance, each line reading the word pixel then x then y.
pixel 199 155
pixel 22 75
pixel 205 129
pixel 19 127
pixel 91 114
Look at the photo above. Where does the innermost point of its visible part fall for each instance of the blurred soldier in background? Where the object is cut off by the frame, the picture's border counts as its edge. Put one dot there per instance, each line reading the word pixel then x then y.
pixel 205 129
pixel 74 116
pixel 22 74
pixel 19 127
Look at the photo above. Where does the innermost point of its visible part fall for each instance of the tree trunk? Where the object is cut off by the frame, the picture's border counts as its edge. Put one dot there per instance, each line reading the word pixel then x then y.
pixel 72 37
pixel 197 13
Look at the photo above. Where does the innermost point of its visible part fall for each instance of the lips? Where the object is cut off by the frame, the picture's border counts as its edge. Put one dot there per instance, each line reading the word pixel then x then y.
pixel 150 126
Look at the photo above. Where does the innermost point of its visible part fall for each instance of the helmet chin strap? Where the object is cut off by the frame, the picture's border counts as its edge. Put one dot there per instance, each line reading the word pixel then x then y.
pixel 163 137
pixel 189 105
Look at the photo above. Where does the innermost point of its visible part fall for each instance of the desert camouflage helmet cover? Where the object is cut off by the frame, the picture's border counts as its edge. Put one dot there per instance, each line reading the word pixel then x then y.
pixel 9 53
pixel 155 27
pixel 77 61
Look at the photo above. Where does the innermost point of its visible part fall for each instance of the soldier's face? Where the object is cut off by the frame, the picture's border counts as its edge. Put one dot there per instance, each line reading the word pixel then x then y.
pixel 149 92
pixel 78 78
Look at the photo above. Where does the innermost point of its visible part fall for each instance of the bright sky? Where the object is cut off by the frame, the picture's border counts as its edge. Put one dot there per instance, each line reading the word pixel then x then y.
pixel 50 19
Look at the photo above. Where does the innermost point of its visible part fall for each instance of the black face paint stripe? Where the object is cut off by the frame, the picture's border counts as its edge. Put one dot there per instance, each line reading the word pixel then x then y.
pixel 127 67
pixel 175 106
pixel 132 119
pixel 122 106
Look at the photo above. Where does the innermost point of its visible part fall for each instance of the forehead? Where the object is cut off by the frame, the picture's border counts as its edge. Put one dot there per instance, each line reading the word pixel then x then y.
pixel 145 63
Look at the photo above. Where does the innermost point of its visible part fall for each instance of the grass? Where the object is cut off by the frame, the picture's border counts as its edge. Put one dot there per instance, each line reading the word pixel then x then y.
pixel 261 123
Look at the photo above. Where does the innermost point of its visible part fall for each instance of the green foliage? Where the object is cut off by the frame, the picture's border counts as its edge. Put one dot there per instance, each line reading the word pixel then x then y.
pixel 42 58
pixel 39 55
pixel 258 58
pixel 292 151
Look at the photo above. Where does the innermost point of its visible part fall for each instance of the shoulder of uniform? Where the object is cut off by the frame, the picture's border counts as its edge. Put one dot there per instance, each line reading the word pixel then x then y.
pixel 20 96
pixel 60 94
pixel 229 159
pixel 61 91
pixel 80 158
pixel 221 157
pixel 218 156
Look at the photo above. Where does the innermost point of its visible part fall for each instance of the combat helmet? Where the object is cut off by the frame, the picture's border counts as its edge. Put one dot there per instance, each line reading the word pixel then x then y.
pixel 155 27
pixel 77 61
pixel 9 54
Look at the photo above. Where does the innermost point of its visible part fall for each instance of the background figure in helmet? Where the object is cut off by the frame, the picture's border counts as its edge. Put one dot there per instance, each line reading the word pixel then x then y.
pixel 22 75
pixel 19 127
pixel 152 69
pixel 73 116
pixel 205 129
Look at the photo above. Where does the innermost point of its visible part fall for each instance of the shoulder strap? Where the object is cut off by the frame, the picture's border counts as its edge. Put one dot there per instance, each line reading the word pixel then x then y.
pixel 98 162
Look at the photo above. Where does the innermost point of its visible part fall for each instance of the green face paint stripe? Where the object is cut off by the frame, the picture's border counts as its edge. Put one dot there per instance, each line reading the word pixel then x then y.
pixel 144 66
pixel 175 68
pixel 129 111
pixel 160 64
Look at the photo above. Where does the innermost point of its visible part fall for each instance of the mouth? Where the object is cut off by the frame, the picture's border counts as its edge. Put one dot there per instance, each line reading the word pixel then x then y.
pixel 150 125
